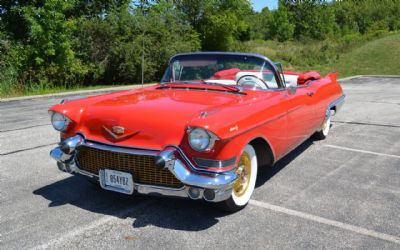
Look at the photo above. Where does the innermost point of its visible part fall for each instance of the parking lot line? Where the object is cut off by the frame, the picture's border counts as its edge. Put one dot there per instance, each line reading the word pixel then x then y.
pixel 361 151
pixel 341 225
pixel 34 126
pixel 80 230
pixel 367 124
pixel 27 149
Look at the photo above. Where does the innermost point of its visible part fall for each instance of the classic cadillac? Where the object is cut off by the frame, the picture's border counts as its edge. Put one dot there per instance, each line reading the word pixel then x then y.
pixel 202 133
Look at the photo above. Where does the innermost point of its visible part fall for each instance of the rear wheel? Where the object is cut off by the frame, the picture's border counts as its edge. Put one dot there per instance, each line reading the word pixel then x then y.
pixel 323 133
pixel 244 185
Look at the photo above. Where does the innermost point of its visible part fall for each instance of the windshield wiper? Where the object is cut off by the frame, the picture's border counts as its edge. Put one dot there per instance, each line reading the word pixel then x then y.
pixel 231 88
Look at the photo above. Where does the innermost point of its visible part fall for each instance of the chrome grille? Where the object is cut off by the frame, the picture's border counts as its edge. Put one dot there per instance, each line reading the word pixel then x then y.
pixel 141 167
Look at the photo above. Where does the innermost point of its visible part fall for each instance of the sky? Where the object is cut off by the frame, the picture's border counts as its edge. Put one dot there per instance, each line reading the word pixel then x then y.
pixel 258 5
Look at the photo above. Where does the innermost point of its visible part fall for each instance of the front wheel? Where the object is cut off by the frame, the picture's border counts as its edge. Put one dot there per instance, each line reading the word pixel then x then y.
pixel 244 185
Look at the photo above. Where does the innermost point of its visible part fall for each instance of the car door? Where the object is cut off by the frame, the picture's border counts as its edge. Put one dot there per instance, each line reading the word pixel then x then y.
pixel 301 116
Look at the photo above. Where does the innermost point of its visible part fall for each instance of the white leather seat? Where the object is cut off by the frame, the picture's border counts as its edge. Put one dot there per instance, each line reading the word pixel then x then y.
pixel 226 82
pixel 291 80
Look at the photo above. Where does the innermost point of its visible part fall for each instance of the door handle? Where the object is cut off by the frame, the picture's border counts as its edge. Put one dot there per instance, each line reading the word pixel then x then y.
pixel 310 93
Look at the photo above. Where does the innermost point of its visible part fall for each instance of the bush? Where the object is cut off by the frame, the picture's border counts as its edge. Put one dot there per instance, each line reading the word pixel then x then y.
pixel 8 80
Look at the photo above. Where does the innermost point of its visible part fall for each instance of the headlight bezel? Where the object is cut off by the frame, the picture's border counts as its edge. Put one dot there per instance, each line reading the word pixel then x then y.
pixel 211 138
pixel 62 123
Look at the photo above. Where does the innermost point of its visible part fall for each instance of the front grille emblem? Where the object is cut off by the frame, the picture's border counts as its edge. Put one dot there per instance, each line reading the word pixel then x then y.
pixel 117 132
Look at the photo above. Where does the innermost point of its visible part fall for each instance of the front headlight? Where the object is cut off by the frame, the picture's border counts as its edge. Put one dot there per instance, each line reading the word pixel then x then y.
pixel 201 139
pixel 59 121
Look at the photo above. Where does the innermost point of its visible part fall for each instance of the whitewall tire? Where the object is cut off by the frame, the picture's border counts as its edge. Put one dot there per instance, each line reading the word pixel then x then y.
pixel 323 133
pixel 244 186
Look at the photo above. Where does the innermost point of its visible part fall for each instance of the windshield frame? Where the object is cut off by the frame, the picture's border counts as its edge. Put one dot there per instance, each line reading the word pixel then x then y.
pixel 266 61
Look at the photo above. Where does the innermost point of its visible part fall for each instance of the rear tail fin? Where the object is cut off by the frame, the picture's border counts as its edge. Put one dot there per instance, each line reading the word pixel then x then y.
pixel 333 76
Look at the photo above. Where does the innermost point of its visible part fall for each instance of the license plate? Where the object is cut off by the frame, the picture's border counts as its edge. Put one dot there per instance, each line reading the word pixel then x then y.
pixel 117 181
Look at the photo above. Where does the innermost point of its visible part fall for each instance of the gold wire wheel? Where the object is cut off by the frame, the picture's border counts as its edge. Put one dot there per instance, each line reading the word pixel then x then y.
pixel 244 173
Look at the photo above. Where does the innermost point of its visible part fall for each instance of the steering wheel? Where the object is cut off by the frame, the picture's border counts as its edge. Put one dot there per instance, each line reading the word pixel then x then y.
pixel 253 82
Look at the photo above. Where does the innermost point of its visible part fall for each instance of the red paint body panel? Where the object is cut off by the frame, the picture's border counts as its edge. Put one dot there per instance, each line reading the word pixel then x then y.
pixel 160 116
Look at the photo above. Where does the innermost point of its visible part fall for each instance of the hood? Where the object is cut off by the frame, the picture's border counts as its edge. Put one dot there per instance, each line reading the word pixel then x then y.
pixel 146 118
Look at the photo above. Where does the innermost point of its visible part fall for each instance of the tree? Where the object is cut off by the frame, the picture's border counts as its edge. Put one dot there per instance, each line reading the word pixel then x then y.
pixel 280 26
pixel 312 18
pixel 219 22
pixel 113 44
pixel 50 56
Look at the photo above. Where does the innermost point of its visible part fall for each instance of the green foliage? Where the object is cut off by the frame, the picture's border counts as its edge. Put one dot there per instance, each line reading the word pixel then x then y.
pixel 11 59
pixel 312 18
pixel 114 44
pixel 218 31
pixel 280 26
pixel 50 57
pixel 219 22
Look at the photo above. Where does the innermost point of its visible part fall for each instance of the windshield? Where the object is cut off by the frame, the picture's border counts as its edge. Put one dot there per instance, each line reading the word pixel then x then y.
pixel 226 69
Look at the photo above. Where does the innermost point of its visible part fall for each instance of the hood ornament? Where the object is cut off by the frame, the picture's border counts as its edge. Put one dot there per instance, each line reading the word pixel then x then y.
pixel 117 132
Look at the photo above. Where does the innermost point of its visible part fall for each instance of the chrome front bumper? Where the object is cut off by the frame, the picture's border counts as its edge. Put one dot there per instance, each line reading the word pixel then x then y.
pixel 213 187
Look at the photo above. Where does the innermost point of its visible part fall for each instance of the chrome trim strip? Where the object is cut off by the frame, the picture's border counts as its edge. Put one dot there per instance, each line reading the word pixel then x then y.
pixel 119 149
pixel 113 145
pixel 336 103
pixel 158 190
pixel 190 164
pixel 209 163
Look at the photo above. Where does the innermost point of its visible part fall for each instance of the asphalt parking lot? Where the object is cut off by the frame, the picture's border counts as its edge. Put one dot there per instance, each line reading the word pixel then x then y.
pixel 343 192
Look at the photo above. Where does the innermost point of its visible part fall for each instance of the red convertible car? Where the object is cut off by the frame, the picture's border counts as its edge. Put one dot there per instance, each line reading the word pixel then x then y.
pixel 203 132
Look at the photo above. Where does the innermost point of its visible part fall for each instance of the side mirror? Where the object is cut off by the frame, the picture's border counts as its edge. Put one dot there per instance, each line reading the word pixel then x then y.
pixel 306 77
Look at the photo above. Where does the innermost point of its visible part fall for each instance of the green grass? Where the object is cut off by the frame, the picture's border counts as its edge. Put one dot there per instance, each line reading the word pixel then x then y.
pixel 378 57
pixel 52 90
pixel 348 56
